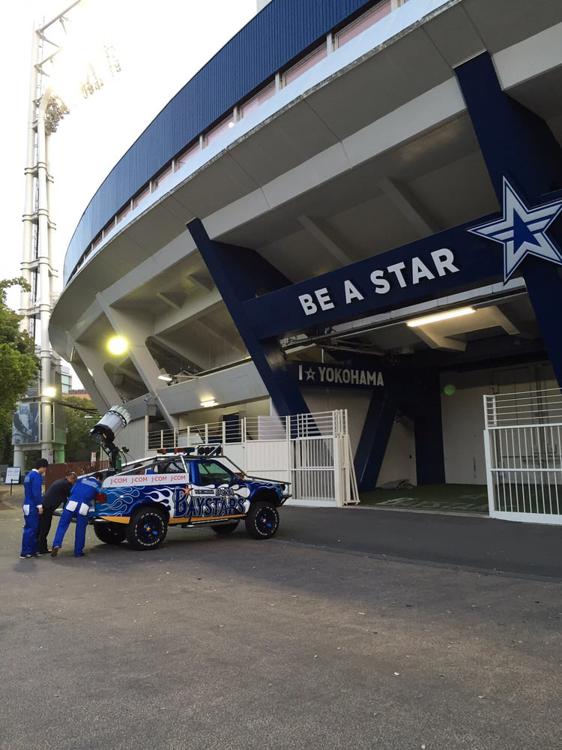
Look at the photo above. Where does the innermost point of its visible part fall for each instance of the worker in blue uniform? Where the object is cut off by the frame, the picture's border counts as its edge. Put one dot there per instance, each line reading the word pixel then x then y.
pixel 32 507
pixel 78 505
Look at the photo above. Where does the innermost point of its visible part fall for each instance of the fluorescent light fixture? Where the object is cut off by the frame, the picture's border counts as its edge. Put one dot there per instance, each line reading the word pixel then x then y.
pixel 207 402
pixel 165 377
pixel 117 345
pixel 293 349
pixel 49 392
pixel 438 317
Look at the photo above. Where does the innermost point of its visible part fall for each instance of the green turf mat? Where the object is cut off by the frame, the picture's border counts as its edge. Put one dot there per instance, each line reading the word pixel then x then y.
pixel 466 498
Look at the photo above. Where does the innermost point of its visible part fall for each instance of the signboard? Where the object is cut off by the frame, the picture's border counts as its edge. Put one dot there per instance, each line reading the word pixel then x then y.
pixel 437 266
pixel 312 374
pixel 450 261
pixel 380 281
pixel 12 475
pixel 25 428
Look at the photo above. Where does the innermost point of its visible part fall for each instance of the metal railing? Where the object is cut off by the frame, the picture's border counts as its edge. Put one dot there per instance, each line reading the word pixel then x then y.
pixel 244 429
pixel 526 407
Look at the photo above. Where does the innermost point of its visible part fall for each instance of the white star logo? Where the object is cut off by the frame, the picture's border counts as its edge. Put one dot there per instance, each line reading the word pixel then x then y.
pixel 309 373
pixel 521 231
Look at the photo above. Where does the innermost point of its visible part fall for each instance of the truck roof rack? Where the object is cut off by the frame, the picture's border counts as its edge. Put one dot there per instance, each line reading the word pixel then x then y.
pixel 196 451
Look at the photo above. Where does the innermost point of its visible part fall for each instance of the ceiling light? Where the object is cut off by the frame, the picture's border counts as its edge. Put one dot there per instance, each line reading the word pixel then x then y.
pixel 437 317
pixel 165 377
pixel 117 345
pixel 207 402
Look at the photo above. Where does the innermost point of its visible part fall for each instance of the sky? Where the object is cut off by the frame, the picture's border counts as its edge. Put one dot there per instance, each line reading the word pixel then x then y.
pixel 159 45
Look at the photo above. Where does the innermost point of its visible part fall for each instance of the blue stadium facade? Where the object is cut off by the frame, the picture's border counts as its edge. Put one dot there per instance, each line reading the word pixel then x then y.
pixel 336 175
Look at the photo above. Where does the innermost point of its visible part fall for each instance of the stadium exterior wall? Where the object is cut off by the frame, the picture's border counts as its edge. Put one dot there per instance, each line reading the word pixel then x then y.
pixel 424 436
pixel 282 31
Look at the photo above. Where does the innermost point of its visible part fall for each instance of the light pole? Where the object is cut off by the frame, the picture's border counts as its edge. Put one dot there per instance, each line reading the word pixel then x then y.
pixel 38 268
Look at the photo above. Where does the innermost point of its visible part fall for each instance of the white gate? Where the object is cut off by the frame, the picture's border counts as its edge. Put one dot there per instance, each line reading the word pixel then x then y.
pixel 523 448
pixel 311 451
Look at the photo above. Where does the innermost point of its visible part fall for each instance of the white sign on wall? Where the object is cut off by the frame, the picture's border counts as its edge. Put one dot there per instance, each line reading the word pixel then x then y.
pixel 12 475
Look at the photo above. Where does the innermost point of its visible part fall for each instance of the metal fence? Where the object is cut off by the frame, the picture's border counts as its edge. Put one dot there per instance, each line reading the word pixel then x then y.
pixel 246 429
pixel 523 448
pixel 312 451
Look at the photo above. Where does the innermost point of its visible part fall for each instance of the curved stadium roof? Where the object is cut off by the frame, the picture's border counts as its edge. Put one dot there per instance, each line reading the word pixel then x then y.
pixel 281 32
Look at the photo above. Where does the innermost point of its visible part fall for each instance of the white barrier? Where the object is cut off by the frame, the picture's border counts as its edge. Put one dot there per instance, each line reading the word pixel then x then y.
pixel 311 451
pixel 523 449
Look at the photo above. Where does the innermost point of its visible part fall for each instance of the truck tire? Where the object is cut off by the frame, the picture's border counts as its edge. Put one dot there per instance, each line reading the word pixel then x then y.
pixel 110 533
pixel 262 520
pixel 147 528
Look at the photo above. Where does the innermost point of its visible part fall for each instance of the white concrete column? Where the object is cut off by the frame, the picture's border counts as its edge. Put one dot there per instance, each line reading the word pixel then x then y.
pixel 90 385
pixel 54 281
pixel 29 200
pixel 44 287
pixel 95 378
pixel 19 458
pixel 135 330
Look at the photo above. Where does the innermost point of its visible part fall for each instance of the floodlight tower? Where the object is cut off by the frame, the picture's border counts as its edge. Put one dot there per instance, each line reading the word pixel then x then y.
pixel 38 268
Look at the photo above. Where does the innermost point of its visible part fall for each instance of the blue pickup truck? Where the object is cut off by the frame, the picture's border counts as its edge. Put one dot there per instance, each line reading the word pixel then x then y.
pixel 188 489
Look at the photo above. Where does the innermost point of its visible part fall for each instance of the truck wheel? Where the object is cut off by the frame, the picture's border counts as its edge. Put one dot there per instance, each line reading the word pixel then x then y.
pixel 223 529
pixel 110 533
pixel 147 529
pixel 262 520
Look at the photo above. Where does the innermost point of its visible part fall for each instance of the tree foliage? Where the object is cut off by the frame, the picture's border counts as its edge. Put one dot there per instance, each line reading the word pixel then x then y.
pixel 79 444
pixel 18 364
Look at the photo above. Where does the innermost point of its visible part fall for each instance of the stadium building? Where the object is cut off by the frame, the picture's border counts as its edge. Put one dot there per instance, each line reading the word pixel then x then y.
pixel 353 205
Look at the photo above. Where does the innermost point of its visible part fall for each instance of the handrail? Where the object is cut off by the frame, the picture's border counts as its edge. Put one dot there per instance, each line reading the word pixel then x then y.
pixel 524 410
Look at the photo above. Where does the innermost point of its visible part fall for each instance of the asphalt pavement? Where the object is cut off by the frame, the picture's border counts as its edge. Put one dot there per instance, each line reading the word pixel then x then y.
pixel 345 631
pixel 451 539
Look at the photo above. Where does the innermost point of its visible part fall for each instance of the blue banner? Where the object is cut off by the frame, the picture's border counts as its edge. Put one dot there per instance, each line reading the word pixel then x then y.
pixel 426 269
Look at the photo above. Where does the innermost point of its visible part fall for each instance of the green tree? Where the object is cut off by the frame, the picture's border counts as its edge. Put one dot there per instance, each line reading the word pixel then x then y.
pixel 18 365
pixel 79 444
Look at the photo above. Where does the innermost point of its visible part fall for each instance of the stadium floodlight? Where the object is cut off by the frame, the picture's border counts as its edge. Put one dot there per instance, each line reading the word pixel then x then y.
pixel 67 57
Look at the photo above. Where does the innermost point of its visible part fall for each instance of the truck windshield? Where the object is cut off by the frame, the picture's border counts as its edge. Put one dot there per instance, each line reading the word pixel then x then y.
pixel 211 472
